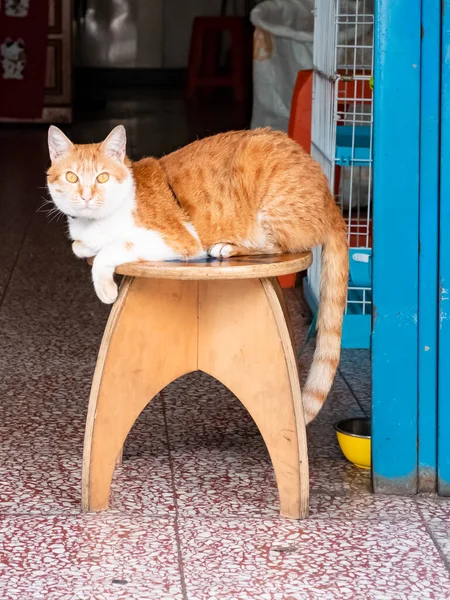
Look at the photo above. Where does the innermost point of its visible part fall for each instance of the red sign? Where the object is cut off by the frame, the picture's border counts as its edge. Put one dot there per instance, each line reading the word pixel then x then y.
pixel 23 48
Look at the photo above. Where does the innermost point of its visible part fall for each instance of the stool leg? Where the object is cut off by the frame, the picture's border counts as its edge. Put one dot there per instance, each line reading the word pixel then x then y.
pixel 149 316
pixel 245 342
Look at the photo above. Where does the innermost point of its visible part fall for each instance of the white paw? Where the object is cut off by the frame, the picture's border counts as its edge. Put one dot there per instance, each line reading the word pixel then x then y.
pixel 82 251
pixel 106 290
pixel 220 250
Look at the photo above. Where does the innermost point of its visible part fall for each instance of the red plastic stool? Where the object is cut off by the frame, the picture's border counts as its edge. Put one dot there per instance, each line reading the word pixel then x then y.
pixel 287 281
pixel 301 109
pixel 203 69
pixel 299 128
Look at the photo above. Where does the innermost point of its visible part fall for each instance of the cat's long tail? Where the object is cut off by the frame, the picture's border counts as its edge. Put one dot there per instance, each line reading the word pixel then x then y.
pixel 333 297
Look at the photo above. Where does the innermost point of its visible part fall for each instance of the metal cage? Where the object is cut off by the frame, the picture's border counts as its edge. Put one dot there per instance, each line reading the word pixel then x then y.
pixel 341 141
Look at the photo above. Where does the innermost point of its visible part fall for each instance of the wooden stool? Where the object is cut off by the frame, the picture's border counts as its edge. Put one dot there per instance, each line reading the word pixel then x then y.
pixel 202 68
pixel 226 318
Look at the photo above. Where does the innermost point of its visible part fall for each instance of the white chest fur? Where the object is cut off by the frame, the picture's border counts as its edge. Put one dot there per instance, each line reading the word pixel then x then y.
pixel 119 230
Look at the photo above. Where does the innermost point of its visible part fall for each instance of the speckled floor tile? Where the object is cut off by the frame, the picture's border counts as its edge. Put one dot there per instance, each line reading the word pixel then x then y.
pixel 148 435
pixel 278 560
pixel 221 465
pixel 20 196
pixel 356 367
pixel 441 538
pixel 52 305
pixel 219 457
pixel 435 509
pixel 363 507
pixel 340 404
pixel 337 476
pixel 217 446
pixel 53 406
pixel 48 483
pixel 41 432
pixel 201 411
pixel 436 513
pixel 101 557
pixel 226 482
pixel 322 442
pixel 235 482
pixel 39 483
pixel 143 486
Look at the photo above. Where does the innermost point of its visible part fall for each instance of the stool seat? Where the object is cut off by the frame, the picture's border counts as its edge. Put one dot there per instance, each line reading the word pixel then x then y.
pixel 238 267
pixel 224 317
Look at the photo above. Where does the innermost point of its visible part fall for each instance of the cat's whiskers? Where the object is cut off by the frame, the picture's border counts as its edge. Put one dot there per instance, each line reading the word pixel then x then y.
pixel 56 216
pixel 53 213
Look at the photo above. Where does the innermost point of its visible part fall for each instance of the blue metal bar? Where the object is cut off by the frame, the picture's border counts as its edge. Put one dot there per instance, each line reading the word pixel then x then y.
pixel 396 239
pixel 444 265
pixel 353 145
pixel 428 255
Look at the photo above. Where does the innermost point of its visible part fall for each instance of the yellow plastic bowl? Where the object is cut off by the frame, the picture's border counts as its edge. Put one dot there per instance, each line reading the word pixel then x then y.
pixel 354 439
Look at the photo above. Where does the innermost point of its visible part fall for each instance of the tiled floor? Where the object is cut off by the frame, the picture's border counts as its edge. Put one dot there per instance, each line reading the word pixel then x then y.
pixel 194 510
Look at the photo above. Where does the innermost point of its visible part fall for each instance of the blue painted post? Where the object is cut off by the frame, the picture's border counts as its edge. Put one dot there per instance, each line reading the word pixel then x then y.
pixel 444 265
pixel 396 239
pixel 428 256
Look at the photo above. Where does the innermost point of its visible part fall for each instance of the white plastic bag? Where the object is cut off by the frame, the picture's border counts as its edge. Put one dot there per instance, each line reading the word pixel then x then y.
pixel 282 46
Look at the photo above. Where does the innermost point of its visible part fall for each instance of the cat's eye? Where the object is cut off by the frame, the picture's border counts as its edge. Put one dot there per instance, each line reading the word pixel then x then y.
pixel 71 177
pixel 103 177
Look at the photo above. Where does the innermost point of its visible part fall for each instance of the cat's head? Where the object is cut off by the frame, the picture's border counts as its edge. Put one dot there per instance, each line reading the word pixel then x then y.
pixel 89 180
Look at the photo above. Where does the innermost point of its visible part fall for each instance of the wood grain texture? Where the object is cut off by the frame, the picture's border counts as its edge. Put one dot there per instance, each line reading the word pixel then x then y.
pixel 244 342
pixel 150 340
pixel 280 312
pixel 238 267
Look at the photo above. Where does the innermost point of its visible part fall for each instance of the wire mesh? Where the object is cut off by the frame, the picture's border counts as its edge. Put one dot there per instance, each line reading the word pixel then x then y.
pixel 342 124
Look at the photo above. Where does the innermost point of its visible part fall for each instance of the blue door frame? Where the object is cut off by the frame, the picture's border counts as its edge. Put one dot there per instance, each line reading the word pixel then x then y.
pixel 396 241
pixel 428 245
pixel 411 257
pixel 444 265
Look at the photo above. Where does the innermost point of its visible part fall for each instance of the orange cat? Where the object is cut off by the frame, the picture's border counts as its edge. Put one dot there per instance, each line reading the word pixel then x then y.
pixel 236 193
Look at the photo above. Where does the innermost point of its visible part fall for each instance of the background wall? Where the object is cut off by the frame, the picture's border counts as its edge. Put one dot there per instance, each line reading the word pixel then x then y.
pixel 138 33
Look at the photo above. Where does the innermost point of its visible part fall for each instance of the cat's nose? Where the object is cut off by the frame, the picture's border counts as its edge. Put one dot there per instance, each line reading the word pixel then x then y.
pixel 86 195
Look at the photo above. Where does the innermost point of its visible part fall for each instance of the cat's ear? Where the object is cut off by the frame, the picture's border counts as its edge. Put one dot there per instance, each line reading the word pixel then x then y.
pixel 116 143
pixel 58 143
